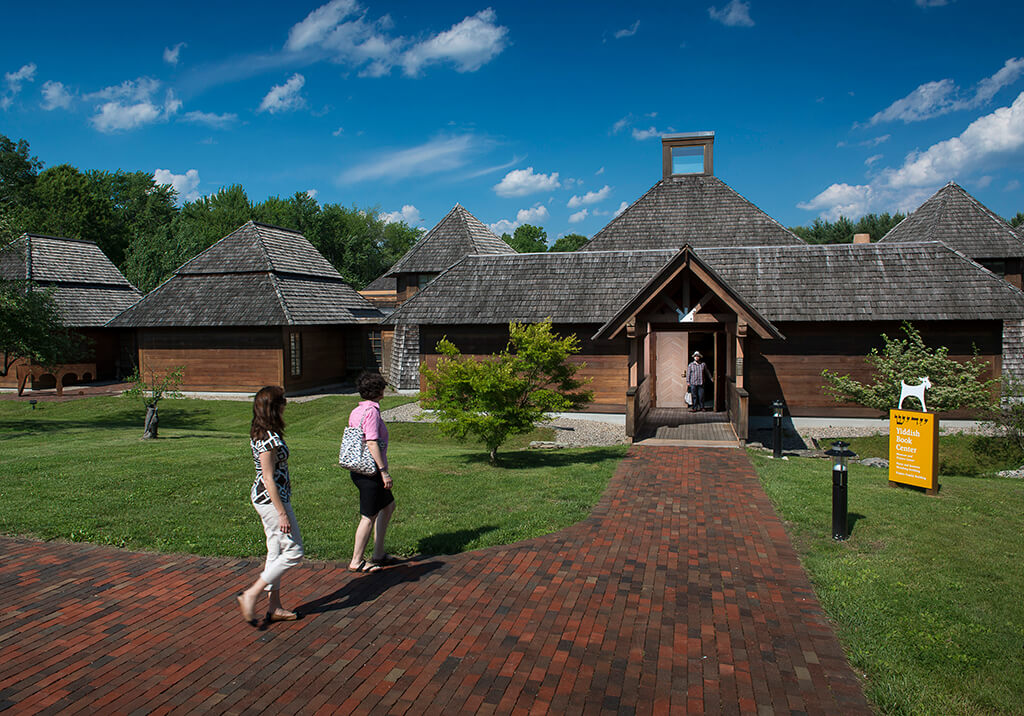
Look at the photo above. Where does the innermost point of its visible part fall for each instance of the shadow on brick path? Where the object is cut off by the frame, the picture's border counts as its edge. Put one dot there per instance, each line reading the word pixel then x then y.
pixel 680 593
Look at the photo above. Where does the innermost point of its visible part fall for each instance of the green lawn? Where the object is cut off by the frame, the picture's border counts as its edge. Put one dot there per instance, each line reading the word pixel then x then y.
pixel 78 471
pixel 926 593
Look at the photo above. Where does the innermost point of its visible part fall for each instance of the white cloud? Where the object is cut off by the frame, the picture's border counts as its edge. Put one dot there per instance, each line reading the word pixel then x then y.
pixel 171 54
pixel 622 207
pixel 217 121
pixel 504 226
pixel 438 155
pixel 591 197
pixel 933 99
pixel 983 182
pixel 341 31
pixel 520 182
pixel 599 172
pixel 872 159
pixel 876 141
pixel 988 142
pixel 186 185
pixel 409 214
pixel 628 32
pixel 320 24
pixel 130 105
pixel 534 215
pixel 578 216
pixel 55 96
pixel 338 132
pixel 622 124
pixel 1012 185
pixel 933 3
pixel 642 134
pixel 286 97
pixel 470 45
pixel 312 193
pixel 14 80
pixel 735 14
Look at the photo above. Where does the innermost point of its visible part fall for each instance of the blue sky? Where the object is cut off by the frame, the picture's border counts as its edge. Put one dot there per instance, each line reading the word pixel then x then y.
pixel 528 112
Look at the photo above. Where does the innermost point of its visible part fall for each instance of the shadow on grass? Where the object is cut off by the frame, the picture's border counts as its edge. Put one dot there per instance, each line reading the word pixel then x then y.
pixel 367 587
pixel 529 459
pixel 852 518
pixel 452 542
pixel 172 419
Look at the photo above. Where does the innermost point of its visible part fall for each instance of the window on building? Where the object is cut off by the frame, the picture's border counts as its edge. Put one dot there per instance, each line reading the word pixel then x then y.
pixel 377 347
pixel 425 278
pixel 295 348
pixel 688 160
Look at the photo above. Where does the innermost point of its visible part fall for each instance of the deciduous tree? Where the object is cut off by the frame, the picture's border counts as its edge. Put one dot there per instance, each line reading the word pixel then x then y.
pixel 509 392
pixel 955 384
pixel 569 242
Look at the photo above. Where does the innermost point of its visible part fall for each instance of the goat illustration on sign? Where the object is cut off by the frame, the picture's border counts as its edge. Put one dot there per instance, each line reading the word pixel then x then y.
pixel 914 391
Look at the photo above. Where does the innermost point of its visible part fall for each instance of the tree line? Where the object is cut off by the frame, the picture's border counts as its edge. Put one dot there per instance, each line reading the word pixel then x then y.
pixel 841 230
pixel 141 229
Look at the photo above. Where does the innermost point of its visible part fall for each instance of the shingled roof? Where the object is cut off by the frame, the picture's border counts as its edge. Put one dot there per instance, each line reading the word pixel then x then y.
pixel 963 223
pixel 258 275
pixel 88 288
pixel 922 281
pixel 702 211
pixel 456 235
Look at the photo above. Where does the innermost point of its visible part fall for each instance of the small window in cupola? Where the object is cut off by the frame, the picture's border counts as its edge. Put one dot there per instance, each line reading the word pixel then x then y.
pixel 687 154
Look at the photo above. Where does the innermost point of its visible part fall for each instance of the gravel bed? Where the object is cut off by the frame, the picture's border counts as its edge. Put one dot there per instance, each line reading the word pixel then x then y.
pixel 571 432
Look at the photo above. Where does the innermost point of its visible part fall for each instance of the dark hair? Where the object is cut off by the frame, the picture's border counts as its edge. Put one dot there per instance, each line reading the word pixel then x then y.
pixel 370 385
pixel 268 412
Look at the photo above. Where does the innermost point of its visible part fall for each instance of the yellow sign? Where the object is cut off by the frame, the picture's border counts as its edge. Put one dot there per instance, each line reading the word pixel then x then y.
pixel 913 448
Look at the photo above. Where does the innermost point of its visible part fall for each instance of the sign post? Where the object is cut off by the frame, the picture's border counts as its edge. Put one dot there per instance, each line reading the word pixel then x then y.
pixel 914 449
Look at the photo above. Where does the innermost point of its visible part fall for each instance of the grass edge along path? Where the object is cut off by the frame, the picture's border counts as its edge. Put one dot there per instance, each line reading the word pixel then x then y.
pixel 925 595
pixel 78 471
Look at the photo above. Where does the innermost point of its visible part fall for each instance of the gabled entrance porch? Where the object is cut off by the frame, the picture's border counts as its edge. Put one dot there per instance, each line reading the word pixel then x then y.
pixel 683 308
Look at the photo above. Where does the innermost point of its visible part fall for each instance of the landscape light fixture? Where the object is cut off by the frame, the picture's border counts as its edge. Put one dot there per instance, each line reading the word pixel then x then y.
pixel 777 408
pixel 840 454
pixel 33 403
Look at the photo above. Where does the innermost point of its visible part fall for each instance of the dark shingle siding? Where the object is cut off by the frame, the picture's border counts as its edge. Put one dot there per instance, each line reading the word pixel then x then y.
pixel 960 221
pixel 458 234
pixel 847 282
pixel 702 211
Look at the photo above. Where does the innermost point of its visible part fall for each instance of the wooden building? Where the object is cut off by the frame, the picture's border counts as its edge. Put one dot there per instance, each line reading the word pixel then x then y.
pixel 88 290
pixel 260 307
pixel 457 235
pixel 694 266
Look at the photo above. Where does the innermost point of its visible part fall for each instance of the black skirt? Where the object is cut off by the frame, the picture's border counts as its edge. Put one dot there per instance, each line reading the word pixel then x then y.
pixel 373 496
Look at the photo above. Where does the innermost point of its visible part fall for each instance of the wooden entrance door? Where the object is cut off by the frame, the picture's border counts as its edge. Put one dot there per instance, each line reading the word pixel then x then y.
pixel 670 349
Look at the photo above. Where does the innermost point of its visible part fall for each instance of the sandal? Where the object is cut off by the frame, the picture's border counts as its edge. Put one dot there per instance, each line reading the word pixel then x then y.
pixel 358 567
pixel 281 616
pixel 371 567
pixel 387 561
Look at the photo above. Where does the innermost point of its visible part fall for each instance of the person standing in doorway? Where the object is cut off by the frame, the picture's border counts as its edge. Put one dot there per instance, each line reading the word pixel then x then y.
pixel 696 375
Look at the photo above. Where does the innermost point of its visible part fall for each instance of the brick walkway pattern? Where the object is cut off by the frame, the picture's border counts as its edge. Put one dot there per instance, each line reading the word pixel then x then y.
pixel 680 593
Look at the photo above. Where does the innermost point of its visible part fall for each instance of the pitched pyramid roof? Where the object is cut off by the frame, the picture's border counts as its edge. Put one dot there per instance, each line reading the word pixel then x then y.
pixel 456 235
pixel 258 275
pixel 88 288
pixel 702 211
pixel 963 223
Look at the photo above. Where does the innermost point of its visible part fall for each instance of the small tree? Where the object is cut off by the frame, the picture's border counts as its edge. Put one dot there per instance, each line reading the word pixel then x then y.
pixel 152 391
pixel 1008 412
pixel 954 384
pixel 507 393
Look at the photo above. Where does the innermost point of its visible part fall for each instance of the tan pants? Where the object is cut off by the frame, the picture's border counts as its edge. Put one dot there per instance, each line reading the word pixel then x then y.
pixel 284 551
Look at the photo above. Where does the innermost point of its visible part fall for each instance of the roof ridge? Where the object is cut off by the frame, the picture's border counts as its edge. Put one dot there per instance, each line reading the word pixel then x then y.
pixel 280 298
pixel 58 238
pixel 259 242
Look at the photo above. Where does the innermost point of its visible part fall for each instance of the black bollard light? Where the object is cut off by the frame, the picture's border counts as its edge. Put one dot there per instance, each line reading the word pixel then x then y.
pixel 777 407
pixel 839 454
pixel 33 403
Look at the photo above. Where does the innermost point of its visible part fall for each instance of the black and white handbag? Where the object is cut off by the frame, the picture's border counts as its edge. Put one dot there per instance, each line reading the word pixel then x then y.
pixel 354 455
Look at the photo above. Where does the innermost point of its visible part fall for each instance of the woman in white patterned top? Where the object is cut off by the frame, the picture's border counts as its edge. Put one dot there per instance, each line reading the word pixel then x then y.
pixel 271 497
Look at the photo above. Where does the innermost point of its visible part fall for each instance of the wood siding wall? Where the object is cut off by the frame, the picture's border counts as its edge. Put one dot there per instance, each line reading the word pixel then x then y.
pixel 324 351
pixel 791 369
pixel 230 359
pixel 606 361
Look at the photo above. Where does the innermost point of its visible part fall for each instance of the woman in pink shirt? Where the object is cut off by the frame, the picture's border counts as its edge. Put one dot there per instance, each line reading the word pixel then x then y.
pixel 376 503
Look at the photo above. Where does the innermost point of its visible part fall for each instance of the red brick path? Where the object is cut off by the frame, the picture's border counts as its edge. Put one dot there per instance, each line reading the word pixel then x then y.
pixel 680 593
